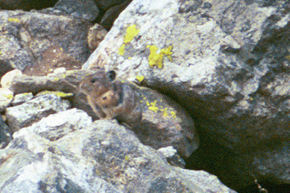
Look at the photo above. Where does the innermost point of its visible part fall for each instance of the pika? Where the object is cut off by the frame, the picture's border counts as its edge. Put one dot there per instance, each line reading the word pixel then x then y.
pixel 110 98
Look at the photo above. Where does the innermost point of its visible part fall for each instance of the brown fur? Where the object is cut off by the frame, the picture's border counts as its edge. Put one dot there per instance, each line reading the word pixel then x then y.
pixel 111 98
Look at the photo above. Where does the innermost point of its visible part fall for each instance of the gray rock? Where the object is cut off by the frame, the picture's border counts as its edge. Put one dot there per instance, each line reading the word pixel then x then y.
pixel 5 67
pixel 87 9
pixel 226 62
pixel 21 98
pixel 66 82
pixel 103 157
pixel 7 78
pixel 57 125
pixel 164 123
pixel 112 13
pixel 5 136
pixel 172 156
pixel 106 4
pixel 6 97
pixel 41 40
pixel 26 4
pixel 32 111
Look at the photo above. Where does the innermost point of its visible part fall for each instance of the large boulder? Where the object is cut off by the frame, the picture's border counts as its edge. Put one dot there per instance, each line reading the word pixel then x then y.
pixel 65 152
pixel 36 42
pixel 227 63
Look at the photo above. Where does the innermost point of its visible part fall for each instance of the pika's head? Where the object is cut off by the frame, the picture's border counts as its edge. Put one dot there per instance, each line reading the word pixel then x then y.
pixel 98 82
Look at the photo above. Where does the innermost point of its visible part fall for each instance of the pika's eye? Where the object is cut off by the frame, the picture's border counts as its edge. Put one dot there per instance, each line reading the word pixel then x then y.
pixel 93 80
pixel 104 98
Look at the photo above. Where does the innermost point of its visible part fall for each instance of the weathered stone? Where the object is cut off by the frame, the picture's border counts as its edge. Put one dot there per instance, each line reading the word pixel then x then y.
pixel 21 98
pixel 85 9
pixel 5 67
pixel 172 156
pixel 32 111
pixel 66 82
pixel 103 157
pixel 26 4
pixel 164 123
pixel 227 63
pixel 57 125
pixel 38 42
pixel 6 97
pixel 5 136
pixel 6 80
pixel 96 34
pixel 111 14
pixel 106 4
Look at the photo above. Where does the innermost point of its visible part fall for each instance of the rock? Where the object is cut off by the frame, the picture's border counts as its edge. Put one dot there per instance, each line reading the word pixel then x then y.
pixel 102 157
pixel 105 4
pixel 32 111
pixel 66 82
pixel 36 42
pixel 5 136
pixel 164 123
pixel 87 9
pixel 227 63
pixel 57 125
pixel 6 80
pixel 26 4
pixel 5 67
pixel 111 14
pixel 21 98
pixel 172 156
pixel 6 97
pixel 96 34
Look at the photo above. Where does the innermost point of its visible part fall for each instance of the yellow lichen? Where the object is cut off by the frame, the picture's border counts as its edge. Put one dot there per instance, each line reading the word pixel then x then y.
pixel 167 52
pixel 127 158
pixel 8 96
pixel 58 93
pixel 173 114
pixel 56 79
pixel 140 78
pixel 131 32
pixel 16 20
pixel 153 107
pixel 165 113
pixel 156 59
pixel 122 50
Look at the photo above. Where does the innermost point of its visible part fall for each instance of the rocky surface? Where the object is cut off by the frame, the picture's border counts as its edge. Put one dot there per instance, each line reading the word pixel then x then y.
pixel 38 42
pixel 6 97
pixel 91 157
pixel 85 9
pixel 26 4
pixel 164 123
pixel 227 63
pixel 33 110
pixel 5 135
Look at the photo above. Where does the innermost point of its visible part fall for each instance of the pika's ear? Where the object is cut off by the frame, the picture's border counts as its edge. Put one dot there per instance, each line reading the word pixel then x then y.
pixel 111 75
